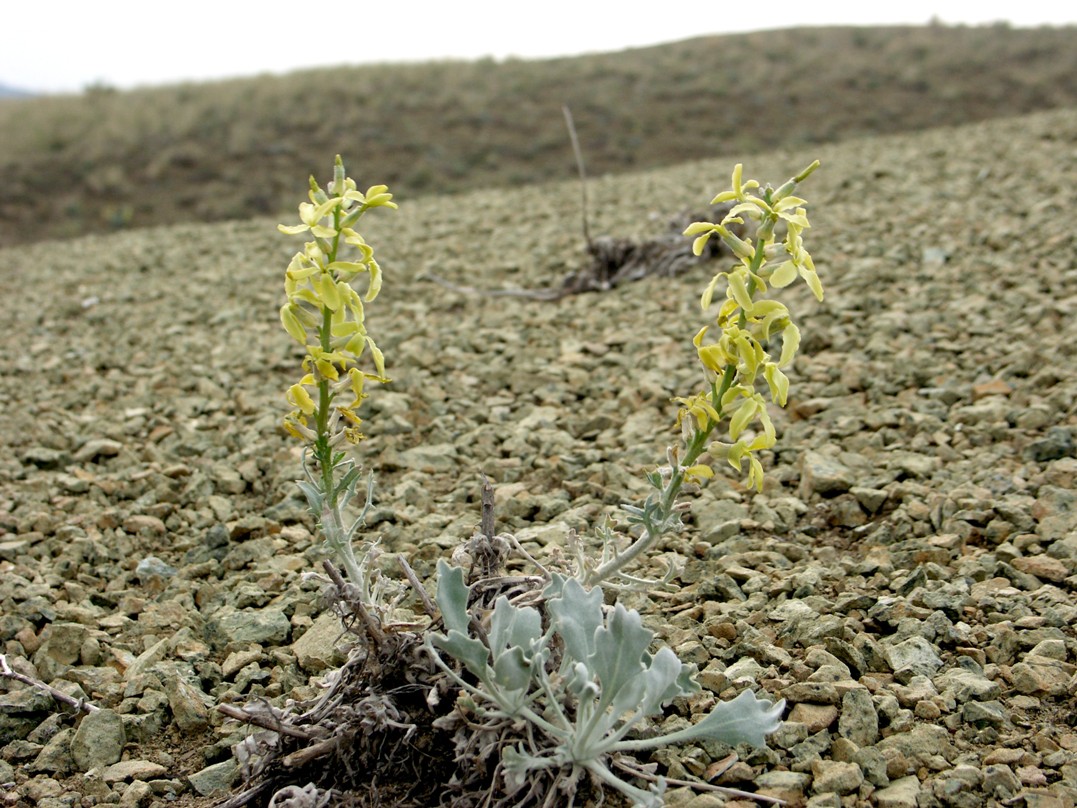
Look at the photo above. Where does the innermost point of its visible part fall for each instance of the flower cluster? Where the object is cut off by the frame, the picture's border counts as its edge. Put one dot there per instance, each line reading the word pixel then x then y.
pixel 325 314
pixel 747 321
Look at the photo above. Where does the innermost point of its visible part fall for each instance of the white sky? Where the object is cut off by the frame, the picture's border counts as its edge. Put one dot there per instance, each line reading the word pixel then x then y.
pixel 65 45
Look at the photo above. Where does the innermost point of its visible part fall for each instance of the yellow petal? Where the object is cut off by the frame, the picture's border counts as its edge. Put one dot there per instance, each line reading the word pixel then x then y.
pixel 755 473
pixel 744 414
pixel 784 274
pixel 327 290
pixel 790 343
pixel 708 293
pixel 375 280
pixel 738 286
pixel 379 359
pixel 699 471
pixel 298 396
pixel 292 325
pixel 778 382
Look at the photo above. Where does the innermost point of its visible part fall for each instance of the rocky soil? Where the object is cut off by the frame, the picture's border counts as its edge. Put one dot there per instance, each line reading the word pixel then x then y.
pixel 906 581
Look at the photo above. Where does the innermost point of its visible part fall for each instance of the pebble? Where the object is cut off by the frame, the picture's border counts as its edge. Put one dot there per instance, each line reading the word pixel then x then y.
pixel 98 741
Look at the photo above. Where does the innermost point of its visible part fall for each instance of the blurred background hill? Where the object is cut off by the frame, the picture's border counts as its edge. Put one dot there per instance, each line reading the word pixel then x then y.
pixel 108 159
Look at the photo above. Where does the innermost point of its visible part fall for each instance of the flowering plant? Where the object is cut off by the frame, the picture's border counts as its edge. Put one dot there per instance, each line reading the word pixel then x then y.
pixel 325 315
pixel 732 365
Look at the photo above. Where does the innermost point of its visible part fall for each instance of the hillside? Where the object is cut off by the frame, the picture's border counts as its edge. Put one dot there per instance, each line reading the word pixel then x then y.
pixel 235 149
pixel 906 580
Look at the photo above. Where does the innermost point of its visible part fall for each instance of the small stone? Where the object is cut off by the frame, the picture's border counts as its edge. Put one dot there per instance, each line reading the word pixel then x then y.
pixel 1004 755
pixel 99 740
pixel 1031 776
pixel 788 786
pixel 859 721
pixel 995 387
pixel 238 660
pixel 212 779
pixel 45 458
pixel 186 702
pixel 963 685
pixel 1041 675
pixel 814 716
pixel 320 647
pixel 870 499
pixel 133 770
pixel 151 566
pixel 60 643
pixel 146 660
pixel 1057 444
pixel 1000 781
pixel 981 713
pixel 1044 567
pixel 832 776
pixel 921 742
pixel 98 447
pixel 913 657
pixel 136 794
pixel 901 793
pixel 263 626
pixel 55 757
pixel 820 474
pixel 431 458
pixel 143 525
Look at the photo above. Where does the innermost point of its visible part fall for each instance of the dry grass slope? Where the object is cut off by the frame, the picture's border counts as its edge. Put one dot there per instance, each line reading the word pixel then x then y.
pixel 235 149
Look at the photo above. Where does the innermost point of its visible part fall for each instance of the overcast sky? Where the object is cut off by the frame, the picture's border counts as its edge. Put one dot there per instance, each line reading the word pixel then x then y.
pixel 65 45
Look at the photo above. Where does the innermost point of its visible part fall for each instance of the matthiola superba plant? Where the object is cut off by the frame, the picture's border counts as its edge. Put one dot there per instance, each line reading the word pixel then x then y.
pixel 541 686
pixel 732 365
pixel 325 315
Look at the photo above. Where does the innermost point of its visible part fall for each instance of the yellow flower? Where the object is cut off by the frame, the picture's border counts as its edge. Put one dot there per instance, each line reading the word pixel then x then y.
pixel 739 189
pixel 700 408
pixel 311 216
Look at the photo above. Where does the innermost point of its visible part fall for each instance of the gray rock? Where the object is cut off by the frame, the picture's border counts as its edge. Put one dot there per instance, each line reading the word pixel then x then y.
pixel 146 660
pixel 858 721
pixel 44 458
pixel 921 742
pixel 984 713
pixel 901 793
pixel 97 448
pixel 56 757
pixel 319 648
pixel 151 567
pixel 1055 511
pixel 1058 443
pixel 913 657
pixel 214 779
pixel 1042 676
pixel 136 794
pixel 963 685
pixel 832 776
pixel 1000 781
pixel 133 770
pixel 99 740
pixel 788 786
pixel 431 458
pixel 186 702
pixel 60 648
pixel 249 626
pixel 821 474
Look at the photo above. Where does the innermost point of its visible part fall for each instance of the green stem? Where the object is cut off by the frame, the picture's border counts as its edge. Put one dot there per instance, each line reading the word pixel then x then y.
pixel 331 516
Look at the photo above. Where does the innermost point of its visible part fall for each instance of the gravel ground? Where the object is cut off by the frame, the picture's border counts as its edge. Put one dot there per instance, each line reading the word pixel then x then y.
pixel 905 581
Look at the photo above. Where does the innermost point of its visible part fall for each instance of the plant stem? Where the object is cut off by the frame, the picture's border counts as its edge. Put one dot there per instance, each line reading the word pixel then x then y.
pixel 651 535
